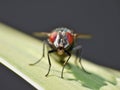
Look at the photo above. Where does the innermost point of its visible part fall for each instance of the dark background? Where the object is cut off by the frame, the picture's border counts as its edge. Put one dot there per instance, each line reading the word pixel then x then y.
pixel 101 18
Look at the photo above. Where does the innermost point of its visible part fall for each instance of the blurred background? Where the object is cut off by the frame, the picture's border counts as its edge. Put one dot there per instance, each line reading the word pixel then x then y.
pixel 101 18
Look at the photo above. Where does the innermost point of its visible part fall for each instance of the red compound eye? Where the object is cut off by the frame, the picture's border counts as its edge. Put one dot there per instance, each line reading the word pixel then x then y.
pixel 52 37
pixel 69 37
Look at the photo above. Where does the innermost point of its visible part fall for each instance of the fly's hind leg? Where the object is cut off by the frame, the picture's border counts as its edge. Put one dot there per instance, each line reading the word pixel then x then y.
pixel 43 54
pixel 78 50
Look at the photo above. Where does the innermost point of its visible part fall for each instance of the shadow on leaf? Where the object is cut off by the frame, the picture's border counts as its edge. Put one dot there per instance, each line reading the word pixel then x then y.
pixel 91 80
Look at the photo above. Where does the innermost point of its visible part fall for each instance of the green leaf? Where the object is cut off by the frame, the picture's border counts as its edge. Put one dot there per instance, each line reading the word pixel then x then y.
pixel 18 50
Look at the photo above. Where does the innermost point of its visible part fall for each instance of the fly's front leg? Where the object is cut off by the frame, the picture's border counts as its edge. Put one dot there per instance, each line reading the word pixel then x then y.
pixel 51 51
pixel 43 54
pixel 69 54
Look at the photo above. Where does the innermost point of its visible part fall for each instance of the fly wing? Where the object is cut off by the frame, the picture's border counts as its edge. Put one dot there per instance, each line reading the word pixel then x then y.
pixel 41 34
pixel 83 36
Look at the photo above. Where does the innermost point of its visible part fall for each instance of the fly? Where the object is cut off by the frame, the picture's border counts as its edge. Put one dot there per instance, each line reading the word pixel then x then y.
pixel 63 42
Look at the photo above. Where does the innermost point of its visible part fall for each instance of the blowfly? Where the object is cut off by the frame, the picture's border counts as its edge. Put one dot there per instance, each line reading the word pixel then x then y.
pixel 62 41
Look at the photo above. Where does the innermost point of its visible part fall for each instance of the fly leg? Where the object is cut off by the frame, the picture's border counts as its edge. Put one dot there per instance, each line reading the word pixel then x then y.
pixel 77 51
pixel 78 55
pixel 43 54
pixel 51 51
pixel 69 54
